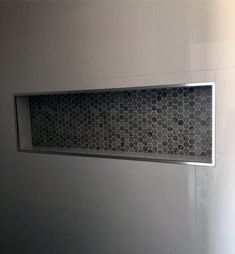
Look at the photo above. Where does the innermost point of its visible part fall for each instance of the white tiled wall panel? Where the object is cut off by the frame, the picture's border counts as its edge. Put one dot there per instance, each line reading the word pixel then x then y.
pixel 59 204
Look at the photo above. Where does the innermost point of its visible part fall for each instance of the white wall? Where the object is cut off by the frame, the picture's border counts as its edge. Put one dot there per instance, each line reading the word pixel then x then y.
pixel 63 204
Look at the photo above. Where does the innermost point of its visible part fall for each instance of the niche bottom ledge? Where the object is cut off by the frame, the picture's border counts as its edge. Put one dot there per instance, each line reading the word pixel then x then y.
pixel 164 158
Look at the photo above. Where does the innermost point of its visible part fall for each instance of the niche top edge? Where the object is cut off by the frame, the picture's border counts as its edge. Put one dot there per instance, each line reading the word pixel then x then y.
pixel 113 89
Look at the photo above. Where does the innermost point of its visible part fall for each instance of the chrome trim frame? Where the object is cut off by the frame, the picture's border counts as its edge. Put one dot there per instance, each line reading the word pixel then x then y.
pixel 213 162
pixel 95 155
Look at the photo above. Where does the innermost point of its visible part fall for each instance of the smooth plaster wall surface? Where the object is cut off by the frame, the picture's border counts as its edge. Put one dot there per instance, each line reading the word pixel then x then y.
pixel 63 204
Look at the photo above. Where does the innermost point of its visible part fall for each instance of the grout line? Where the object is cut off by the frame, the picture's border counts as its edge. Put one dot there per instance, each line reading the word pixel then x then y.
pixel 107 211
pixel 59 82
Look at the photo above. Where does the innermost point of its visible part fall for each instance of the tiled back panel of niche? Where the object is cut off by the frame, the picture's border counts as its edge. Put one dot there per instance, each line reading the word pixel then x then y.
pixel 154 121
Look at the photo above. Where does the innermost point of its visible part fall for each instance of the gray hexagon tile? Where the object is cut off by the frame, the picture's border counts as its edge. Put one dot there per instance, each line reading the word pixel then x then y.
pixel 173 121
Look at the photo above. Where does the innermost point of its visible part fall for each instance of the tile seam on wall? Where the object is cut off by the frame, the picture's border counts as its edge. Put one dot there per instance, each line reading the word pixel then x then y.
pixel 71 82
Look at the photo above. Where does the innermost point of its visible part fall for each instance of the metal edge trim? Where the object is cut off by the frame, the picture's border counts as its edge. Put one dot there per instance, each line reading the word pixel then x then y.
pixel 213 124
pixel 105 156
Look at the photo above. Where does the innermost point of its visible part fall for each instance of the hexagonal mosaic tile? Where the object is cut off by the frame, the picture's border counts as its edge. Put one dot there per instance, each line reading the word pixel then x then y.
pixel 174 121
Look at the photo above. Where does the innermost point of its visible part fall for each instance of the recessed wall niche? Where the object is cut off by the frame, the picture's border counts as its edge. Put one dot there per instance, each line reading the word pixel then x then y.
pixel 173 123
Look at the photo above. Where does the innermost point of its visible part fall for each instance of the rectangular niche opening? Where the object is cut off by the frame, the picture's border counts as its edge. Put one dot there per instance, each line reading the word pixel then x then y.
pixel 173 123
